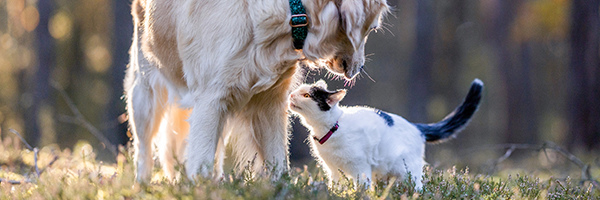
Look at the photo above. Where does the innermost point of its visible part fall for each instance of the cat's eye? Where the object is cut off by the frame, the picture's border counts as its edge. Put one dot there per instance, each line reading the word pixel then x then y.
pixel 306 95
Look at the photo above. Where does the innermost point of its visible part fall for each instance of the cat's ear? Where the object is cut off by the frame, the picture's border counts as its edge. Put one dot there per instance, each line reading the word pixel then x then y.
pixel 336 97
pixel 322 84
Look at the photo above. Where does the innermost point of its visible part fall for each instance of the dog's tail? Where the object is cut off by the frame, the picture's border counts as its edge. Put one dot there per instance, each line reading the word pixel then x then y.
pixel 455 121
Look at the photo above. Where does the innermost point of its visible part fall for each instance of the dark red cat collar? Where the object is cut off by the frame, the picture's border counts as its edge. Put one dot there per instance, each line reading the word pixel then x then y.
pixel 328 135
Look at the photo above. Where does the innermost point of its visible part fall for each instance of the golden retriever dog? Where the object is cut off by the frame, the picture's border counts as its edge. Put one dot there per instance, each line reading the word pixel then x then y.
pixel 204 74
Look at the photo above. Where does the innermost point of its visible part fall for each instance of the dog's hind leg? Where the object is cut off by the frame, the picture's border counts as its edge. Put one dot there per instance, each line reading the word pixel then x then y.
pixel 145 106
pixel 171 143
pixel 206 126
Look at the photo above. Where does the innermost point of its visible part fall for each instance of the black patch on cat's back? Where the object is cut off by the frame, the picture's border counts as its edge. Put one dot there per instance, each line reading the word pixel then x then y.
pixel 320 96
pixel 388 119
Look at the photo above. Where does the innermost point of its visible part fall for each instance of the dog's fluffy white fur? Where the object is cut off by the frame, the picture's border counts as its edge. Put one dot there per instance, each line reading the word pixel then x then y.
pixel 227 67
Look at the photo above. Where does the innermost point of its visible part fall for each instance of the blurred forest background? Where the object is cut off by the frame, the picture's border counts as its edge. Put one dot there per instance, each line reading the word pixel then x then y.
pixel 539 60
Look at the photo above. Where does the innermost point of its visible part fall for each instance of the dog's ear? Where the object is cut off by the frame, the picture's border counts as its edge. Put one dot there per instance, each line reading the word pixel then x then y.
pixel 319 43
pixel 352 13
pixel 336 97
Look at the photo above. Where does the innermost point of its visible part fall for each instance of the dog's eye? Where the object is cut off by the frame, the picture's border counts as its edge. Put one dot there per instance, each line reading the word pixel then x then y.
pixel 306 95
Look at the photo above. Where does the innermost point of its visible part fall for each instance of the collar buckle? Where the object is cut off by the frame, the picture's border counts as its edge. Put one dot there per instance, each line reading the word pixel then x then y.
pixel 299 20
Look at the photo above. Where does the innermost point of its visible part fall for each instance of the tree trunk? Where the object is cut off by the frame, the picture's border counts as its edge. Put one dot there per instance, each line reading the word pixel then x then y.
pixel 123 31
pixel 584 75
pixel 515 73
pixel 422 62
pixel 38 83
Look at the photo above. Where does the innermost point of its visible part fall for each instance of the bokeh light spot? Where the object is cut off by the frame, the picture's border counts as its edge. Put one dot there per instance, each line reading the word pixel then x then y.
pixel 97 54
pixel 26 57
pixel 30 18
pixel 60 25
pixel 6 41
pixel 14 6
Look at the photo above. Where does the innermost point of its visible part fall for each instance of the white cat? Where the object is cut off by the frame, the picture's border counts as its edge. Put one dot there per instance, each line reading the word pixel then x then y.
pixel 366 142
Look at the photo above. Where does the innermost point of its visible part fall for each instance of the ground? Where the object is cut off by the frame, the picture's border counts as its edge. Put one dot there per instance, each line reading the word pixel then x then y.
pixel 76 174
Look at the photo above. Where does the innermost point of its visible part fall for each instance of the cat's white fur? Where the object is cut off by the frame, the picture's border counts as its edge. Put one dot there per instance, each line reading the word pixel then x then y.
pixel 370 143
pixel 227 67
pixel 363 147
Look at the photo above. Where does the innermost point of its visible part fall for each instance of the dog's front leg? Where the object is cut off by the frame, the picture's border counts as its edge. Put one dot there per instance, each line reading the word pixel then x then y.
pixel 274 141
pixel 206 125
pixel 271 127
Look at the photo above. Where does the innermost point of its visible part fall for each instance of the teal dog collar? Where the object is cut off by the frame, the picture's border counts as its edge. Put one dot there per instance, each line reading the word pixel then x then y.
pixel 299 23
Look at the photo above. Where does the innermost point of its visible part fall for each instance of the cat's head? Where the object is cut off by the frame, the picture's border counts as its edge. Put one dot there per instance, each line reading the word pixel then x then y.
pixel 314 99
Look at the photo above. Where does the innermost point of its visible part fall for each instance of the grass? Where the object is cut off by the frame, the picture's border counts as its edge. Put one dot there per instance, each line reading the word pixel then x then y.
pixel 77 174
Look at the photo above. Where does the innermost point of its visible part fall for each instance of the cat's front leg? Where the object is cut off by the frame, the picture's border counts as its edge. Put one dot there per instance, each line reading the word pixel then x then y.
pixel 362 174
pixel 365 179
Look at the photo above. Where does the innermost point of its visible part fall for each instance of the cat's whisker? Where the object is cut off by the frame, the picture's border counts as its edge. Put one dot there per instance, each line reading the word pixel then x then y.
pixel 365 72
pixel 308 73
pixel 384 27
pixel 367 57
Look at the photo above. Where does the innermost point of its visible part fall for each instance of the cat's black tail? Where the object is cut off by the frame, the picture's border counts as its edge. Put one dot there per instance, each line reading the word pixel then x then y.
pixel 455 121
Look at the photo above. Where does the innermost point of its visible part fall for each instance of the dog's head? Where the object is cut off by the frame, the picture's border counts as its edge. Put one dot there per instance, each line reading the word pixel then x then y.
pixel 339 31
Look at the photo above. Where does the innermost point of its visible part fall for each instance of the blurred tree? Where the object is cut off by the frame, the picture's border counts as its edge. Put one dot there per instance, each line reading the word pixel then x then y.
pixel 90 87
pixel 515 74
pixel 452 16
pixel 422 62
pixel 38 83
pixel 585 75
pixel 76 70
pixel 68 35
pixel 122 32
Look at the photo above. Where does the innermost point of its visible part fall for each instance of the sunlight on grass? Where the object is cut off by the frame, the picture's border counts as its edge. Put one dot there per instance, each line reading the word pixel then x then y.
pixel 77 174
